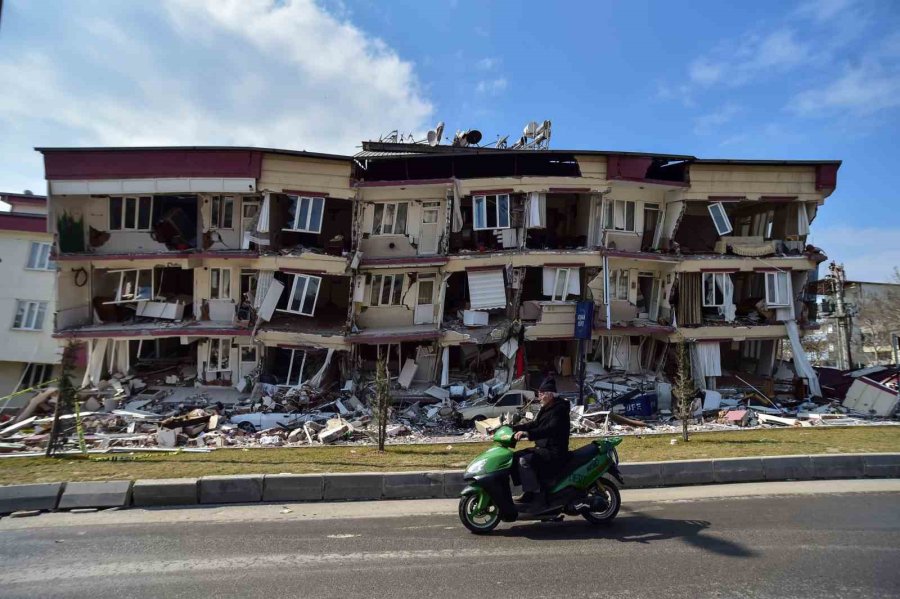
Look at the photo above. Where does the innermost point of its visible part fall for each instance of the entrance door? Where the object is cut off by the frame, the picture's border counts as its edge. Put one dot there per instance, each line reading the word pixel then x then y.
pixel 249 211
pixel 428 231
pixel 425 301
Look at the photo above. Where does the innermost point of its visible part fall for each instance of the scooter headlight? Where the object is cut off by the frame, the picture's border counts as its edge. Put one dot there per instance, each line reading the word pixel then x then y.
pixel 476 467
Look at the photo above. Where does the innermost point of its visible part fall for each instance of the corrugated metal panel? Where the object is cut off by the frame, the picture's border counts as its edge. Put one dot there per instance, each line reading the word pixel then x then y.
pixel 486 289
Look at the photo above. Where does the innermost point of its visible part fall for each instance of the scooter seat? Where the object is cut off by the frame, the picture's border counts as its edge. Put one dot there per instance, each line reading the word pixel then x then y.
pixel 579 457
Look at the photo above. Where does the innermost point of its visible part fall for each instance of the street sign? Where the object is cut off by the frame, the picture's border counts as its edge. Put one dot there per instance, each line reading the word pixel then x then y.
pixel 584 319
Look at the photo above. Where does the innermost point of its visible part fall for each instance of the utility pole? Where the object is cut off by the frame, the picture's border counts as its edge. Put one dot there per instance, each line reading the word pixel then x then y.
pixel 844 320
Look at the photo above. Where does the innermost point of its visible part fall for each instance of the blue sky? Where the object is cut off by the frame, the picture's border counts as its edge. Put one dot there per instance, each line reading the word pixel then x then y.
pixel 803 80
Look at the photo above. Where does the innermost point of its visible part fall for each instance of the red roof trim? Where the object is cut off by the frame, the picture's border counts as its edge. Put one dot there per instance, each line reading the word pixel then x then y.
pixel 25 200
pixel 151 163
pixel 30 223
pixel 141 332
pixel 569 190
pixel 132 256
pixel 725 270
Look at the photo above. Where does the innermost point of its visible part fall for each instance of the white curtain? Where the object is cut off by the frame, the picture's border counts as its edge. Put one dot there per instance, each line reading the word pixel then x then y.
pixel 457 211
pixel 316 380
pixel 801 363
pixel 728 308
pixel 705 361
pixel 802 219
pixel 536 210
pixel 263 281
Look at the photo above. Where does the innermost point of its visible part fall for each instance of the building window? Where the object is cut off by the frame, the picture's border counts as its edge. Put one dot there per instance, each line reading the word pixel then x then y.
pixel 720 218
pixel 619 215
pixel 386 290
pixel 561 285
pixel 219 355
pixel 220 283
pixel 39 257
pixel 34 375
pixel 134 286
pixel 714 289
pixel 305 214
pixel 304 294
pixel 295 367
pixel 222 212
pixel 430 213
pixel 618 284
pixel 491 212
pixel 777 285
pixel 130 213
pixel 29 315
pixel 390 218
pixel 425 291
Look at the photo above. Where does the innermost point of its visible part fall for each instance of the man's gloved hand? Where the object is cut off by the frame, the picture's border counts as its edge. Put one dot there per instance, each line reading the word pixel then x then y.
pixel 520 435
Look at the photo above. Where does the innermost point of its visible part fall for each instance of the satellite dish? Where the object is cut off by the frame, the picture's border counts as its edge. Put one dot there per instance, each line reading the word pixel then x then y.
pixel 434 136
pixel 473 137
pixel 501 143
pixel 530 130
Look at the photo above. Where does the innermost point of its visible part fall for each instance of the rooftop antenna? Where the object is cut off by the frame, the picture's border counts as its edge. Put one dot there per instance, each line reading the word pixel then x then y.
pixel 434 135
pixel 464 139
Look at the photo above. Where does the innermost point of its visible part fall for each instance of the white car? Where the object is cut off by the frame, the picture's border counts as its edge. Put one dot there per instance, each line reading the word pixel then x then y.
pixel 510 402
pixel 259 421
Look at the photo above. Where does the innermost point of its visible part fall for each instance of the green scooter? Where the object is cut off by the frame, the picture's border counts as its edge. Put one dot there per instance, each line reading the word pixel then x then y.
pixel 579 490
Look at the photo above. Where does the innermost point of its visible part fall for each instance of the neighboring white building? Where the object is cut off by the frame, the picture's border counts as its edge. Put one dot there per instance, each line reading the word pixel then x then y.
pixel 29 354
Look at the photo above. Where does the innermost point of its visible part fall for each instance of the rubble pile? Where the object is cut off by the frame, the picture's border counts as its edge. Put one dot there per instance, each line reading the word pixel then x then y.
pixel 128 413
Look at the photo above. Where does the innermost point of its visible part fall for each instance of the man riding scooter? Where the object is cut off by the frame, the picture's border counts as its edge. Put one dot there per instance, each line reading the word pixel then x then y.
pixel 550 433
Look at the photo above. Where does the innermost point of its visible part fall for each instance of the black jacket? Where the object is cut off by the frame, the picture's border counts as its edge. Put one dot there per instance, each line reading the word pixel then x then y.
pixel 550 429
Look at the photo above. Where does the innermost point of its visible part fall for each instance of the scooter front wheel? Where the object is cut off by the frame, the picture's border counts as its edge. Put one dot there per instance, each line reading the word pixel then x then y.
pixel 478 521
pixel 610 493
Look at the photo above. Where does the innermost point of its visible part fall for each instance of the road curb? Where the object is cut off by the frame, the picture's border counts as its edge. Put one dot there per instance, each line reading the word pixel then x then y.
pixel 257 488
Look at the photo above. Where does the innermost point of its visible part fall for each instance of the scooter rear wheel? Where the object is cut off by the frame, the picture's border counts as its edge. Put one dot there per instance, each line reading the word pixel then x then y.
pixel 478 523
pixel 614 500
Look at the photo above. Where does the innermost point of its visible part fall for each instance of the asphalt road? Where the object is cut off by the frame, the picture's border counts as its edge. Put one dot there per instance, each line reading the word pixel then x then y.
pixel 704 542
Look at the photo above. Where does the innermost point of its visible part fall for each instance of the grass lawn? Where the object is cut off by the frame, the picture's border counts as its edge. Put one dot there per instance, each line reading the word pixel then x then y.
pixel 435 457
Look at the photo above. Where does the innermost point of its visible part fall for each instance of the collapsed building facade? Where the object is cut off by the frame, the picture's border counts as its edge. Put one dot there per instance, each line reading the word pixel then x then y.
pixel 247 265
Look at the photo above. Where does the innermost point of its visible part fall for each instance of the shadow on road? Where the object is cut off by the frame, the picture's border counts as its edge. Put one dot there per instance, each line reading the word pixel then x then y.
pixel 638 527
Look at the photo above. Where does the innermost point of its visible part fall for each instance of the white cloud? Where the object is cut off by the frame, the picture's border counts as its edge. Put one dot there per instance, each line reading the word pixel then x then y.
pixel 711 122
pixel 492 87
pixel 287 74
pixel 488 63
pixel 868 253
pixel 862 90
pixel 751 57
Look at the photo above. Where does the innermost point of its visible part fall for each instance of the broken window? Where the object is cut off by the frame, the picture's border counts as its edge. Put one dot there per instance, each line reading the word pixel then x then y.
pixel 130 213
pixel 491 211
pixel 220 283
pixel 222 212
pixel 618 284
pixel 305 214
pixel 714 289
pixel 29 315
pixel 39 257
pixel 134 285
pixel 619 215
pixel 777 286
pixel 386 290
pixel 219 355
pixel 559 283
pixel 390 218
pixel 720 218
pixel 34 375
pixel 303 295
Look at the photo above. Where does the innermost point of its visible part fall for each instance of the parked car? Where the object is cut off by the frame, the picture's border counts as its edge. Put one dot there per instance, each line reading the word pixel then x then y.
pixel 258 421
pixel 510 402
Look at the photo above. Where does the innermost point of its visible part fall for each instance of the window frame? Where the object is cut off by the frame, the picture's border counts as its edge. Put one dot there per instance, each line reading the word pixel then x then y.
pixel 395 291
pixel 291 368
pixel 719 207
pixel 293 294
pixel 615 281
pixel 431 208
pixel 615 220
pixel 218 213
pixel 40 260
pixel 432 280
pixel 30 375
pixel 568 274
pixel 219 342
pixel 35 316
pixel 137 281
pixel 378 224
pixel 221 270
pixel 304 227
pixel 774 276
pixel 480 210
pixel 123 215
pixel 713 275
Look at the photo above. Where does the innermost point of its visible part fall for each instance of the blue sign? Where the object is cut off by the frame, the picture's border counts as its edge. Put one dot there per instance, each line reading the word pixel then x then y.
pixel 584 319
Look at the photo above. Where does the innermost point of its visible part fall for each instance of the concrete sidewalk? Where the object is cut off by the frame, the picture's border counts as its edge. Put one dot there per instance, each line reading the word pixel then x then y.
pixel 363 486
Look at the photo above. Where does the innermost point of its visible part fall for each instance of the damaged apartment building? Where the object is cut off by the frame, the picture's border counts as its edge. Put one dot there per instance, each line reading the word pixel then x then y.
pixel 457 264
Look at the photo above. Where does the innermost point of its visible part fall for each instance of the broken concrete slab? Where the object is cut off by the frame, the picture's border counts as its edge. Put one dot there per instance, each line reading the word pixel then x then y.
pixel 165 491
pixel 112 493
pixel 738 470
pixel 242 488
pixel 344 486
pixel 794 467
pixel 43 496
pixel 838 466
pixel 413 485
pixel 881 465
pixel 687 472
pixel 293 487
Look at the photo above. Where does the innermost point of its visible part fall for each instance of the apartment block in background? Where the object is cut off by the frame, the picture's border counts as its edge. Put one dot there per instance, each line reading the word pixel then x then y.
pixel 29 354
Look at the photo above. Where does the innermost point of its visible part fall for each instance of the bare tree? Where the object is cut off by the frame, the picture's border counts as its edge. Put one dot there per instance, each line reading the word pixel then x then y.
pixel 684 388
pixel 878 317
pixel 815 346
pixel 382 399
